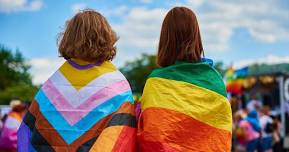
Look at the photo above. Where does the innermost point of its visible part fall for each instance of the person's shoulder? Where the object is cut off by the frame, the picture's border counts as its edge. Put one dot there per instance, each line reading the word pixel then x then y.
pixel 157 72
pixel 112 71
pixel 108 65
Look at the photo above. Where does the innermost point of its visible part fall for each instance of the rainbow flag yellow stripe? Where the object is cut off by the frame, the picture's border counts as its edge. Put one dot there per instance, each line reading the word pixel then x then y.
pixel 178 96
pixel 184 108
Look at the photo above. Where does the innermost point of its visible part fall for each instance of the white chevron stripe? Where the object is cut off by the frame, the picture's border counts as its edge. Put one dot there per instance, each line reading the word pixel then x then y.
pixel 74 97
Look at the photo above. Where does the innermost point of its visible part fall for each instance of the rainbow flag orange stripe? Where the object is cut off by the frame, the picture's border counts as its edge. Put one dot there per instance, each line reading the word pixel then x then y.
pixel 184 108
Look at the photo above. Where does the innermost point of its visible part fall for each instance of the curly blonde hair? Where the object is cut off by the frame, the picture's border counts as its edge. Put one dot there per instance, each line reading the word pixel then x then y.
pixel 89 37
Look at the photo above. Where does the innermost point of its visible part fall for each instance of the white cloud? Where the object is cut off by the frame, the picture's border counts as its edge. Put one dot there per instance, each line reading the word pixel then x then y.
pixel 78 7
pixel 219 23
pixel 270 59
pixel 195 3
pixel 43 68
pixel 120 11
pixel 36 5
pixel 138 32
pixel 8 6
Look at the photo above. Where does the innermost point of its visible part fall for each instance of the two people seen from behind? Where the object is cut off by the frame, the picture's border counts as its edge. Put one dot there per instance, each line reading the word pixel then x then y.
pixel 87 104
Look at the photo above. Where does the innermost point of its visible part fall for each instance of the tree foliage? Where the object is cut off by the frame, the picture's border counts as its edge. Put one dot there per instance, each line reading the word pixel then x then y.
pixel 13 68
pixel 21 91
pixel 138 70
pixel 15 80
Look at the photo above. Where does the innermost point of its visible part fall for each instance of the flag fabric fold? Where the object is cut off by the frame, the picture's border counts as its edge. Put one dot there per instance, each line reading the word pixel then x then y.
pixel 81 108
pixel 184 109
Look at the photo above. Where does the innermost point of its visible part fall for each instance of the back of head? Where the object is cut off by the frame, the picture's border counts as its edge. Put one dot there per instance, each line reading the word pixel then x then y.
pixel 88 37
pixel 180 38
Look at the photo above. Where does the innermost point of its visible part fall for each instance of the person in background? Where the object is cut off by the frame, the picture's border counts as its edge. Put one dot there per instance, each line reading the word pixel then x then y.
pixel 266 125
pixel 253 104
pixel 249 132
pixel 238 136
pixel 277 139
pixel 234 103
pixel 8 137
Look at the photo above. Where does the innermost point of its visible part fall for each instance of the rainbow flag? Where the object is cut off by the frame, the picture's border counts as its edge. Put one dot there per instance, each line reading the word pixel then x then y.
pixel 185 109
pixel 81 108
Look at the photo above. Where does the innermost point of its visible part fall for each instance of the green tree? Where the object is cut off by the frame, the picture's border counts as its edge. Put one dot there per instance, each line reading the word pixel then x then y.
pixel 138 70
pixel 21 91
pixel 15 80
pixel 13 68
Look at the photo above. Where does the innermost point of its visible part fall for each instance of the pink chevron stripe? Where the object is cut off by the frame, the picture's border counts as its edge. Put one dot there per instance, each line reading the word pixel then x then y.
pixel 73 115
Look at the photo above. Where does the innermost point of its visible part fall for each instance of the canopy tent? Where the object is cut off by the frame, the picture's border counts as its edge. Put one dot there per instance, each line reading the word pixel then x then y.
pixel 247 77
pixel 261 80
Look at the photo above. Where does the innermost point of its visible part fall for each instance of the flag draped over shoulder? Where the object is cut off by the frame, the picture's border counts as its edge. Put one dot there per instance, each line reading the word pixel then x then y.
pixel 184 108
pixel 81 108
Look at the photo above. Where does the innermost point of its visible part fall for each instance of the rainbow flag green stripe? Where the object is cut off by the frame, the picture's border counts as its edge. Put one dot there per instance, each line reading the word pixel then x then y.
pixel 200 74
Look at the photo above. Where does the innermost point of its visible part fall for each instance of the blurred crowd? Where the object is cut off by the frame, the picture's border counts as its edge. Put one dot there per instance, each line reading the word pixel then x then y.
pixel 255 128
pixel 9 125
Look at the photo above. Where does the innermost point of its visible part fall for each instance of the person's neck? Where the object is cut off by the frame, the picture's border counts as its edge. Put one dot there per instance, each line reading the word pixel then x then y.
pixel 81 62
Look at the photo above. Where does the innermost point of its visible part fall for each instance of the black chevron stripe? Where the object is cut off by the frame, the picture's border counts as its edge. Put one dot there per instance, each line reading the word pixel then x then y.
pixel 123 119
pixel 37 141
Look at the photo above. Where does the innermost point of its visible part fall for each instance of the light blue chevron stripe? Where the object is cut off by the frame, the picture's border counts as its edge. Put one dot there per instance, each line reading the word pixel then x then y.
pixel 71 133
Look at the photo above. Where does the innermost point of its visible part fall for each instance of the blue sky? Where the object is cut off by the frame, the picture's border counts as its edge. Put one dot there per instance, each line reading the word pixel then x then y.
pixel 233 31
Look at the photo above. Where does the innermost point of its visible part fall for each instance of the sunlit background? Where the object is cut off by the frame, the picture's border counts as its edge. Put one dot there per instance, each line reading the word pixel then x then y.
pixel 238 32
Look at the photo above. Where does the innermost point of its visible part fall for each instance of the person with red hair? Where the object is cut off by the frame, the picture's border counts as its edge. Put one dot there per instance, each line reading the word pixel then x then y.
pixel 184 105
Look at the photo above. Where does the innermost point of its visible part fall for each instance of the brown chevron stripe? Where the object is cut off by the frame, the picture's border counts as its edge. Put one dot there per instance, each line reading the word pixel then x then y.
pixel 127 108
pixel 56 141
